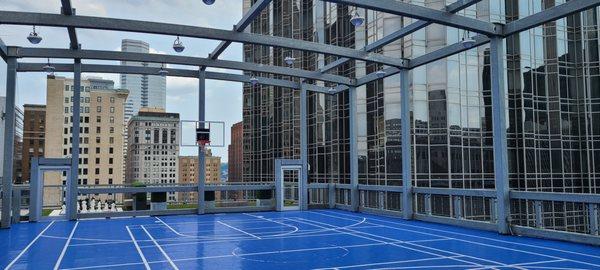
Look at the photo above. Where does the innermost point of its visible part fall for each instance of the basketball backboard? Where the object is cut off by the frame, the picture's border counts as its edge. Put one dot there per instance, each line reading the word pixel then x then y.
pixel 190 129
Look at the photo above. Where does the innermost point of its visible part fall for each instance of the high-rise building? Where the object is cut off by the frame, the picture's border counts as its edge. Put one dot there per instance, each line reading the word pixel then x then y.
pixel 18 143
pixel 34 133
pixel 236 153
pixel 145 91
pixel 153 145
pixel 101 141
pixel 553 111
pixel 188 174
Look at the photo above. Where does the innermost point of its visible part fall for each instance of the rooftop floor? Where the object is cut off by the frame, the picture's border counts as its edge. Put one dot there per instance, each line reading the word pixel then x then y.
pixel 278 240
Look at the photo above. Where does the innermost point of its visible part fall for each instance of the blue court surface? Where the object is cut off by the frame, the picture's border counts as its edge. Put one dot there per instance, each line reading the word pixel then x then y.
pixel 316 239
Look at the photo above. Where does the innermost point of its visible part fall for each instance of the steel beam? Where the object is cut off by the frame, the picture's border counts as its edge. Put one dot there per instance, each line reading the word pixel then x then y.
pixel 304 146
pixel 424 13
pixel 67 9
pixel 353 134
pixel 118 69
pixel 555 196
pixel 201 151
pixel 9 141
pixel 3 50
pixel 425 59
pixel 72 183
pixel 499 132
pixel 446 51
pixel 407 192
pixel 549 15
pixel 254 11
pixel 174 59
pixel 88 22
pixel 404 31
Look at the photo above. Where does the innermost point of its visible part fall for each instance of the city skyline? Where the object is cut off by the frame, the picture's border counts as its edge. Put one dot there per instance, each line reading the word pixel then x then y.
pixel 181 92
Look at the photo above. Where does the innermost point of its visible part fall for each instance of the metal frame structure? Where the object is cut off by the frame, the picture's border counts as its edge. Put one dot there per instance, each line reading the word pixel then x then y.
pixel 304 81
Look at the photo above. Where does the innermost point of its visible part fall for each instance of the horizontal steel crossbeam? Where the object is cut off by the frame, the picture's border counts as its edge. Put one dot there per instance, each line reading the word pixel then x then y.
pixel 118 69
pixel 549 15
pixel 174 59
pixel 88 22
pixel 402 32
pixel 426 14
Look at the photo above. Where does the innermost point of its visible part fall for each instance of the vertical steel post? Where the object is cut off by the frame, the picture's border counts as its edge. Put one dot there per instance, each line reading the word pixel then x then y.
pixel 499 133
pixel 354 195
pixel 201 154
pixel 331 191
pixel 593 216
pixel 407 195
pixel 304 147
pixel 35 191
pixel 72 182
pixel 9 140
pixel 539 217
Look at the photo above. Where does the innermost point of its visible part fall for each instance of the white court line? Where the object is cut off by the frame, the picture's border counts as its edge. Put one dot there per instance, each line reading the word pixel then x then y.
pixel 138 249
pixel 384 263
pixel 239 230
pixel 493 246
pixel 357 233
pixel 194 236
pixel 64 250
pixel 522 264
pixel 276 222
pixel 27 247
pixel 246 239
pixel 470 235
pixel 161 249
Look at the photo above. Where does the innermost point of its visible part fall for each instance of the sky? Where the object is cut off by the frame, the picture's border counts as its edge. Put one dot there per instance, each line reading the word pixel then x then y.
pixel 223 99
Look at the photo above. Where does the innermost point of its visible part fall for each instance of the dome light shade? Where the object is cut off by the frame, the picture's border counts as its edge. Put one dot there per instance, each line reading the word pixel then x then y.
pixel 380 73
pixel 357 20
pixel 34 38
pixel 468 42
pixel 48 68
pixel 162 72
pixel 290 60
pixel 208 2
pixel 178 45
pixel 253 81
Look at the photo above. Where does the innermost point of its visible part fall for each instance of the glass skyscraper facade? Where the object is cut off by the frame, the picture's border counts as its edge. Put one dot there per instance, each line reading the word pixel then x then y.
pixel 553 108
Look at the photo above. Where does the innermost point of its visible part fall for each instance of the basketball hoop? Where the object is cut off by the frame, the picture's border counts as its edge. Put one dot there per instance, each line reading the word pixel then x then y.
pixel 203 143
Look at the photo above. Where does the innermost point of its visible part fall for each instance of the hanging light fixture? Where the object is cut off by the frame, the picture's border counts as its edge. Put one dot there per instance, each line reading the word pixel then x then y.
pixel 48 68
pixel 289 60
pixel 178 45
pixel 380 73
pixel 331 89
pixel 253 81
pixel 467 41
pixel 163 72
pixel 34 38
pixel 208 2
pixel 356 19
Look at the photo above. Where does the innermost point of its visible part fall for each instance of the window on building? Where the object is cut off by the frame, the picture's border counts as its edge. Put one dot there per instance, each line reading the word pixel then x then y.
pixel 98 108
pixel 99 99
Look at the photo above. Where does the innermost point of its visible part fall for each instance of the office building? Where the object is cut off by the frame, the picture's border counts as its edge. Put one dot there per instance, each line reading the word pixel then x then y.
pixel 18 143
pixel 145 91
pixel 552 107
pixel 188 174
pixel 34 133
pixel 101 131
pixel 153 145
pixel 236 153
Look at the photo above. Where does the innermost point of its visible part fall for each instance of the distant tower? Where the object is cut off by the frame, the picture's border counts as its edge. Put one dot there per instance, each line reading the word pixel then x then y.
pixel 144 90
